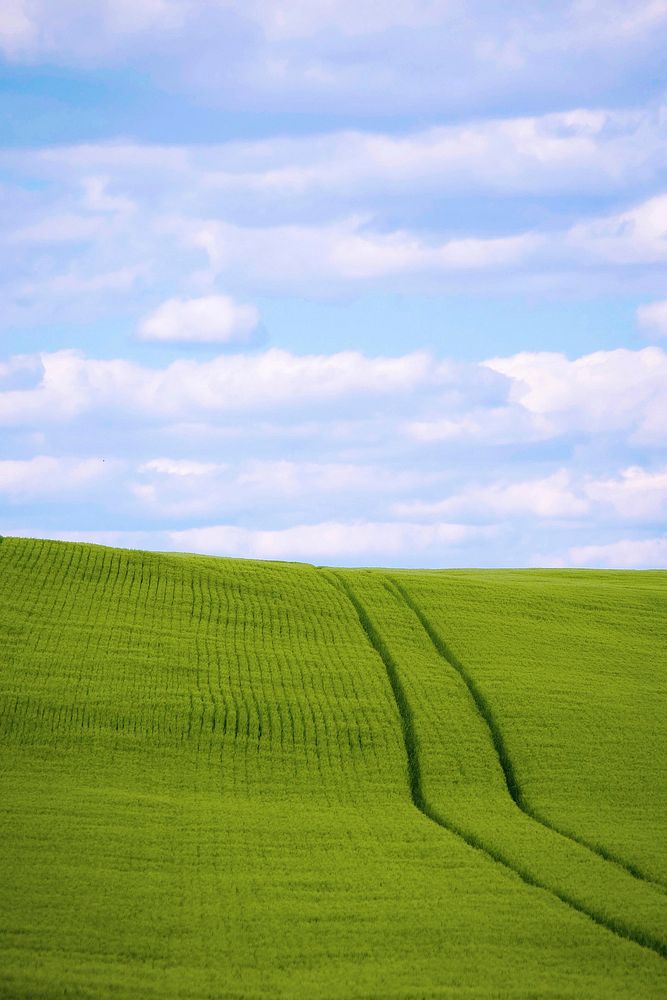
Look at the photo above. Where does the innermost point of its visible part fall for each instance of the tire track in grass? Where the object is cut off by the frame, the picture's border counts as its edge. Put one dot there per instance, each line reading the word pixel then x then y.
pixel 486 713
pixel 402 704
pixel 420 802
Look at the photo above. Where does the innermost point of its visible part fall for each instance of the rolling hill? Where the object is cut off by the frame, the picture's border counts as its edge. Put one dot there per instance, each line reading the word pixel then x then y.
pixel 225 778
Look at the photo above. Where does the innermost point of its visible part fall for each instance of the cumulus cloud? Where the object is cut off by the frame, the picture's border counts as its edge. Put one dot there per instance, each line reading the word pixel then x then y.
pixel 491 424
pixel 351 542
pixel 636 493
pixel 212 319
pixel 326 540
pixel 373 458
pixel 355 249
pixel 596 393
pixel 646 553
pixel 46 476
pixel 349 251
pixel 575 150
pixel 308 259
pixel 653 317
pixel 101 225
pixel 71 385
pixel 635 236
pixel 251 445
pixel 552 496
pixel 633 493
pixel 522 398
pixel 179 488
pixel 180 467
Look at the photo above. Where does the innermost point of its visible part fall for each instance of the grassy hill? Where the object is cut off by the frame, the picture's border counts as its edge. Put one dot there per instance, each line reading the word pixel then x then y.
pixel 232 779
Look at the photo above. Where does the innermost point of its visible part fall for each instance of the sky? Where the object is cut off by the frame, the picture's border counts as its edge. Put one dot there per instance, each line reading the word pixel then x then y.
pixel 354 283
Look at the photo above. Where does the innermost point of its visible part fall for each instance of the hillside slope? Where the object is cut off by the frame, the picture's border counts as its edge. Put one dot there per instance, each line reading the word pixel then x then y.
pixel 233 779
pixel 574 668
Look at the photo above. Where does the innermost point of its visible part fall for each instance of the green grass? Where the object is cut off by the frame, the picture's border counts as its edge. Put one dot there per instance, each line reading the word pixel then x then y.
pixel 233 779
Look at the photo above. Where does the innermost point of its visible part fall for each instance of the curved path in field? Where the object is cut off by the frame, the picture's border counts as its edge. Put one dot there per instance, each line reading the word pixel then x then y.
pixel 461 778
pixel 486 713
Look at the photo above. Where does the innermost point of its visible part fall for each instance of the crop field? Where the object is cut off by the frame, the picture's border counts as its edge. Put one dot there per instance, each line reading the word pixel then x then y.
pixel 225 778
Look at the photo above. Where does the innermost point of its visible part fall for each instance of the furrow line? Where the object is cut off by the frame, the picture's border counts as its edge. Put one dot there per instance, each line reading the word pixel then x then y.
pixel 419 801
pixel 486 713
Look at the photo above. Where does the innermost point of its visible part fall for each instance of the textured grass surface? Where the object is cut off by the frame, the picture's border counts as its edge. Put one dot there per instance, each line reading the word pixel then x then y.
pixel 209 772
pixel 574 667
pixel 468 784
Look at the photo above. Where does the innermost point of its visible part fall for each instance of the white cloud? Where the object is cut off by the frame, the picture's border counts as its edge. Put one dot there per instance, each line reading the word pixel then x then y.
pixel 490 425
pixel 323 215
pixel 331 539
pixel 19 365
pixel 30 29
pixel 523 398
pixel 296 256
pixel 72 385
pixel 16 28
pixel 653 317
pixel 287 478
pixel 339 541
pixel 504 197
pixel 636 236
pixel 273 484
pixel 46 476
pixel 179 488
pixel 419 55
pixel 62 228
pixel 575 150
pixel 636 493
pixel 155 540
pixel 637 19
pixel 97 198
pixel 213 319
pixel 553 496
pixel 580 150
pixel 647 553
pixel 183 468
pixel 608 392
pixel 355 249
pixel 285 19
pixel 598 393
pixel 77 283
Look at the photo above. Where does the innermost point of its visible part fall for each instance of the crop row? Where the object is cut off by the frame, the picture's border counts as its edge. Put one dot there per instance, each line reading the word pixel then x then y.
pixel 194 659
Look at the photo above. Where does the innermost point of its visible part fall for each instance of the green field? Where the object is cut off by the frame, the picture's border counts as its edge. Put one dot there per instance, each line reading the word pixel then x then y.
pixel 224 778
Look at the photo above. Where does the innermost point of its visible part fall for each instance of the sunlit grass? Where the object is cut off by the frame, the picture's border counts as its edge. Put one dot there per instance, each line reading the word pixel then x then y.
pixel 207 790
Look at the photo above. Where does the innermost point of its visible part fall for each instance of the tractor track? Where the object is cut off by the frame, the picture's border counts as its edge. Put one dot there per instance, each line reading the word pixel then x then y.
pixel 485 711
pixel 418 798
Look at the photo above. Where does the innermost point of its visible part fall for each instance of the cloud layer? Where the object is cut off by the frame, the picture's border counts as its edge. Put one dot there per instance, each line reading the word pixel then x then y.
pixel 355 282
pixel 443 458
pixel 406 56
pixel 185 239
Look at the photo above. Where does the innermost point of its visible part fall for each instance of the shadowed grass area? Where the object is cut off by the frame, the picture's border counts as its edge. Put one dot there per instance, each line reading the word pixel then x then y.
pixel 206 793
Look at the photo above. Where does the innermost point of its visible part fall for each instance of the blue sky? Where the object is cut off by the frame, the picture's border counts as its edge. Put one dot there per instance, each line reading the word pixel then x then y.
pixel 353 283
